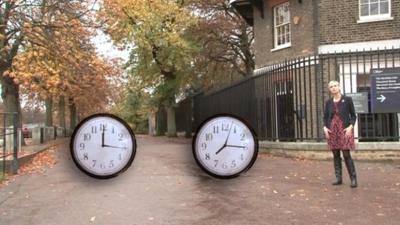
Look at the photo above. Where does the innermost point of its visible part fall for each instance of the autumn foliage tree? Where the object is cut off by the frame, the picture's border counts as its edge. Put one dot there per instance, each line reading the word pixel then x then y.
pixel 163 49
pixel 134 106
pixel 226 43
pixel 12 20
pixel 20 20
pixel 72 70
pixel 55 58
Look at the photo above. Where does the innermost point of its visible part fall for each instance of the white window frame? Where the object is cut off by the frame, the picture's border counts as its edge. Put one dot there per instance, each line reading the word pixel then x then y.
pixel 287 44
pixel 374 18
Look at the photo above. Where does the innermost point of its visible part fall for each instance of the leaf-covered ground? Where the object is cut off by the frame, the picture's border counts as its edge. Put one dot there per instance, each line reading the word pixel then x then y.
pixel 38 164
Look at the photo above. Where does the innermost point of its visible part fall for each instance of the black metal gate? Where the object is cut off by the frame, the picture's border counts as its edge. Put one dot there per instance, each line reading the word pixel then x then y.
pixel 285 110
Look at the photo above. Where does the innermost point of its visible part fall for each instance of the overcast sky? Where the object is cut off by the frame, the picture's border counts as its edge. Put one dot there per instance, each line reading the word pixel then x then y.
pixel 105 47
pixel 104 44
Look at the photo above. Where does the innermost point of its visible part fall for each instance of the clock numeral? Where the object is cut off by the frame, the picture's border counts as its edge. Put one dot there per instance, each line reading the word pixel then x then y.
pixel 209 137
pixel 204 146
pixel 241 157
pixel 82 146
pixel 120 135
pixel 85 156
pixel 94 163
pixel 208 156
pixel 124 147
pixel 94 129
pixel 225 127
pixel 233 164
pixel 102 166
pixel 216 129
pixel 86 137
pixel 103 127
pixel 216 163
pixel 234 129
pixel 224 166
pixel 111 165
pixel 112 130
pixel 242 136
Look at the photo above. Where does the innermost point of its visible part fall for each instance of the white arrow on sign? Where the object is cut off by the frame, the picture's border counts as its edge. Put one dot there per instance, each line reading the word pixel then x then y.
pixel 381 98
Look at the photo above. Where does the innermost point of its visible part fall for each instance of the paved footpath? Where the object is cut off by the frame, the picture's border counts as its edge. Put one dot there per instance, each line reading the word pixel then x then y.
pixel 164 186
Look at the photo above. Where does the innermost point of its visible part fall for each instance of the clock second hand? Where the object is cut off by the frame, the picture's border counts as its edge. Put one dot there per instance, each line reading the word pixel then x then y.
pixel 226 141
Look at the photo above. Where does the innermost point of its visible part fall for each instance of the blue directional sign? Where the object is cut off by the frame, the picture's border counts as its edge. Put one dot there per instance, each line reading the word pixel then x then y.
pixel 385 90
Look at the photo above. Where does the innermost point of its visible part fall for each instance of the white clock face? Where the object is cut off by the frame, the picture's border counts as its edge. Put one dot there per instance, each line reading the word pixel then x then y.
pixel 225 146
pixel 103 146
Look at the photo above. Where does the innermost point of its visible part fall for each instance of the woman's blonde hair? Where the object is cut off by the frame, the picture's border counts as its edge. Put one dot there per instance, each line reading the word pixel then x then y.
pixel 334 82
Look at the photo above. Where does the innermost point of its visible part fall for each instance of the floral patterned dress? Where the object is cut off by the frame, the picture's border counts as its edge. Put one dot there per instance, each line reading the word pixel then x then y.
pixel 338 140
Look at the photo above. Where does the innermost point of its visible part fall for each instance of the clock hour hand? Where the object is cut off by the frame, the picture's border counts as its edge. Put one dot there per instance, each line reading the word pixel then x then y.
pixel 111 146
pixel 219 150
pixel 235 146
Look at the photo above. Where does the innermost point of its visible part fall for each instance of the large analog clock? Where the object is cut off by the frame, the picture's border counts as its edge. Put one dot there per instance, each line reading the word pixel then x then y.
pixel 103 146
pixel 225 146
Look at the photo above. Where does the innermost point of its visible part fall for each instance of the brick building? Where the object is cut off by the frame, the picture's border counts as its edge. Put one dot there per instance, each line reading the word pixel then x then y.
pixel 287 28
pixel 302 44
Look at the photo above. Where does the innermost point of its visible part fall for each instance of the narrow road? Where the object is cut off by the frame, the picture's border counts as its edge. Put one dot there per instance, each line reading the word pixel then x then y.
pixel 165 186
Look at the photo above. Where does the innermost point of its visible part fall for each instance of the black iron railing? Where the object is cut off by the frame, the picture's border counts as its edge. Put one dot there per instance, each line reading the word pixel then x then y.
pixel 285 101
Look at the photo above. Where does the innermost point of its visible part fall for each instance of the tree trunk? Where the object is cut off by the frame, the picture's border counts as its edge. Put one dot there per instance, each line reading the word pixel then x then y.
pixel 72 114
pixel 171 123
pixel 245 45
pixel 49 111
pixel 161 122
pixel 10 96
pixel 169 105
pixel 61 110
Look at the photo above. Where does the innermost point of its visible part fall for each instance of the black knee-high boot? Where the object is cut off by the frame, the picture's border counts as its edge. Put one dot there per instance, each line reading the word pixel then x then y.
pixel 337 163
pixel 350 168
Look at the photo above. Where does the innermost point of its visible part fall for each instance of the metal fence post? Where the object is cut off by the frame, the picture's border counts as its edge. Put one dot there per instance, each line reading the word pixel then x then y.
pixel 4 143
pixel 14 164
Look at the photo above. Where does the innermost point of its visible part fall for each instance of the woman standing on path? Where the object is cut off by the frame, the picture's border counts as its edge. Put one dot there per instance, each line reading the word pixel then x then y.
pixel 339 119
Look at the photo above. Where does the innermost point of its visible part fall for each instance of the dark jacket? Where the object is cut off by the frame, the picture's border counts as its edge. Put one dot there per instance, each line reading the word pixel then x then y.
pixel 346 109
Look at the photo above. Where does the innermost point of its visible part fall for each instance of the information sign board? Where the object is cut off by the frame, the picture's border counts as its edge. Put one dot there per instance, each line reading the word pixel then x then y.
pixel 385 90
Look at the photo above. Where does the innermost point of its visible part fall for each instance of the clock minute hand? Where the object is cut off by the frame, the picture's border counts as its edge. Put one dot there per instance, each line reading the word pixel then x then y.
pixel 102 138
pixel 229 133
pixel 226 141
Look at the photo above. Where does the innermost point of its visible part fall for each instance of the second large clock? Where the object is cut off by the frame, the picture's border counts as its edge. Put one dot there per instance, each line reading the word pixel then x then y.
pixel 225 146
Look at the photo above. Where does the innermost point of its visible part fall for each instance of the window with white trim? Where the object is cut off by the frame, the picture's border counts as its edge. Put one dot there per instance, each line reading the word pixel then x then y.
pixel 282 35
pixel 374 10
